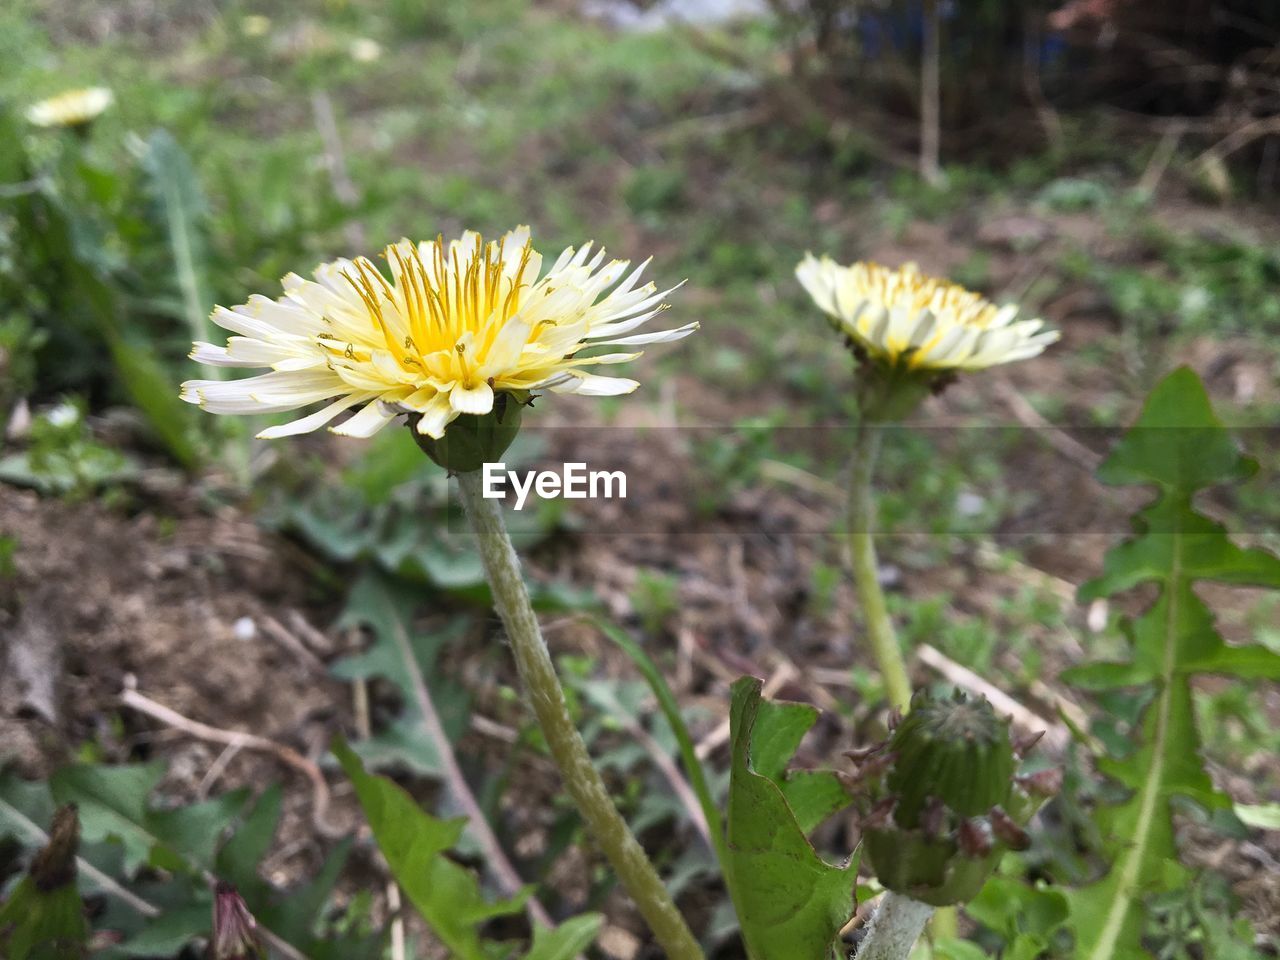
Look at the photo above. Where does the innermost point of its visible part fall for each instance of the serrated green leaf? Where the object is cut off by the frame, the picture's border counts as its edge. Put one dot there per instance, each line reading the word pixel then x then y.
pixel 790 902
pixel 415 843
pixel 1179 447
pixel 385 608
pixel 194 831
pixel 779 728
pixel 113 804
pixel 39 925
pixel 814 795
pixel 31 801
pixel 567 940
pixel 168 933
pixel 238 858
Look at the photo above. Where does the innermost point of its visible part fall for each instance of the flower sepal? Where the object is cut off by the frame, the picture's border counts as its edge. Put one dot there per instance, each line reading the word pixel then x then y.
pixel 472 440
pixel 891 395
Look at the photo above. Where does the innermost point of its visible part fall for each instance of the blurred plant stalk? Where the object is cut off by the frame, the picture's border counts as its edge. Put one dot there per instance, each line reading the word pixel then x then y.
pixel 894 928
pixel 866 579
pixel 879 625
pixel 546 696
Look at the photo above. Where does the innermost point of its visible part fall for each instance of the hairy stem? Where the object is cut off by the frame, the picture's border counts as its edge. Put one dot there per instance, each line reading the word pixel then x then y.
pixel 894 928
pixel 546 696
pixel 862 552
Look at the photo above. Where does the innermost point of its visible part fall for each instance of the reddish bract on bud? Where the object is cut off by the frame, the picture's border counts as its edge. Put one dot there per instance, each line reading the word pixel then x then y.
pixel 1010 834
pixel 973 838
pixel 234 929
pixel 1043 783
pixel 1023 745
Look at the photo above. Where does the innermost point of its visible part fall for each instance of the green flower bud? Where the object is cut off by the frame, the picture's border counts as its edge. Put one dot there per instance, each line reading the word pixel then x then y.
pixel 472 440
pixel 957 751
pixel 942 801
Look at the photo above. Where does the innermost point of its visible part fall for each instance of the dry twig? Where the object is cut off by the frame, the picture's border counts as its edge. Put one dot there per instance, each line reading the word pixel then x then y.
pixel 1059 439
pixel 202 731
pixel 507 877
pixel 283 636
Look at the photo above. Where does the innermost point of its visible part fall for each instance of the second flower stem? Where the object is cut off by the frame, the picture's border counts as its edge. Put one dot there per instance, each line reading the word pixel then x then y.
pixel 546 696
pixel 866 577
pixel 862 551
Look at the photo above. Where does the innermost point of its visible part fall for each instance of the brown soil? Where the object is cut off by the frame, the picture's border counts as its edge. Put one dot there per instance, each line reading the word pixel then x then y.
pixel 164 601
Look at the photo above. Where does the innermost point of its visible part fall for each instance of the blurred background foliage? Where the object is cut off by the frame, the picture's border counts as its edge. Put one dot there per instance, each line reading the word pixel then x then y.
pixel 1111 164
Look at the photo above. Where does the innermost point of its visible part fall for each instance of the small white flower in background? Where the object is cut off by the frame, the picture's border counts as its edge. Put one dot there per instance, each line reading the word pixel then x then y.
pixel 457 325
pixel 71 108
pixel 364 50
pixel 244 629
pixel 63 415
pixel 255 25
pixel 907 320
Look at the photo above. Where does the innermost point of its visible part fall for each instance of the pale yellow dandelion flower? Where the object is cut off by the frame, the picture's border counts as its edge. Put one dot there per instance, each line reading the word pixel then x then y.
pixel 71 108
pixel 365 50
pixel 255 25
pixel 907 320
pixel 455 325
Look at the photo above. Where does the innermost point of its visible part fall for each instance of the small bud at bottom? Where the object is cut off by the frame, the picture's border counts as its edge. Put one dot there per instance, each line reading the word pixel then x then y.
pixel 234 928
pixel 54 867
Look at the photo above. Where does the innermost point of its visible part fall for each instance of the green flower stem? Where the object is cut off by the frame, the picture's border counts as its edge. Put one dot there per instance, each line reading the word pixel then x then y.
pixel 884 640
pixel 862 551
pixel 610 830
pixel 894 928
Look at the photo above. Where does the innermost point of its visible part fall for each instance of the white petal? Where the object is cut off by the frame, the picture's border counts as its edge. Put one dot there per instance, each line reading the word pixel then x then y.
pixel 817 282
pixel 1004 315
pixel 591 385
pixel 926 324
pixel 193 391
pixel 315 420
pixel 368 421
pixel 504 352
pixel 477 399
pixel 602 358
pixel 436 415
pixel 213 356
pixel 657 337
